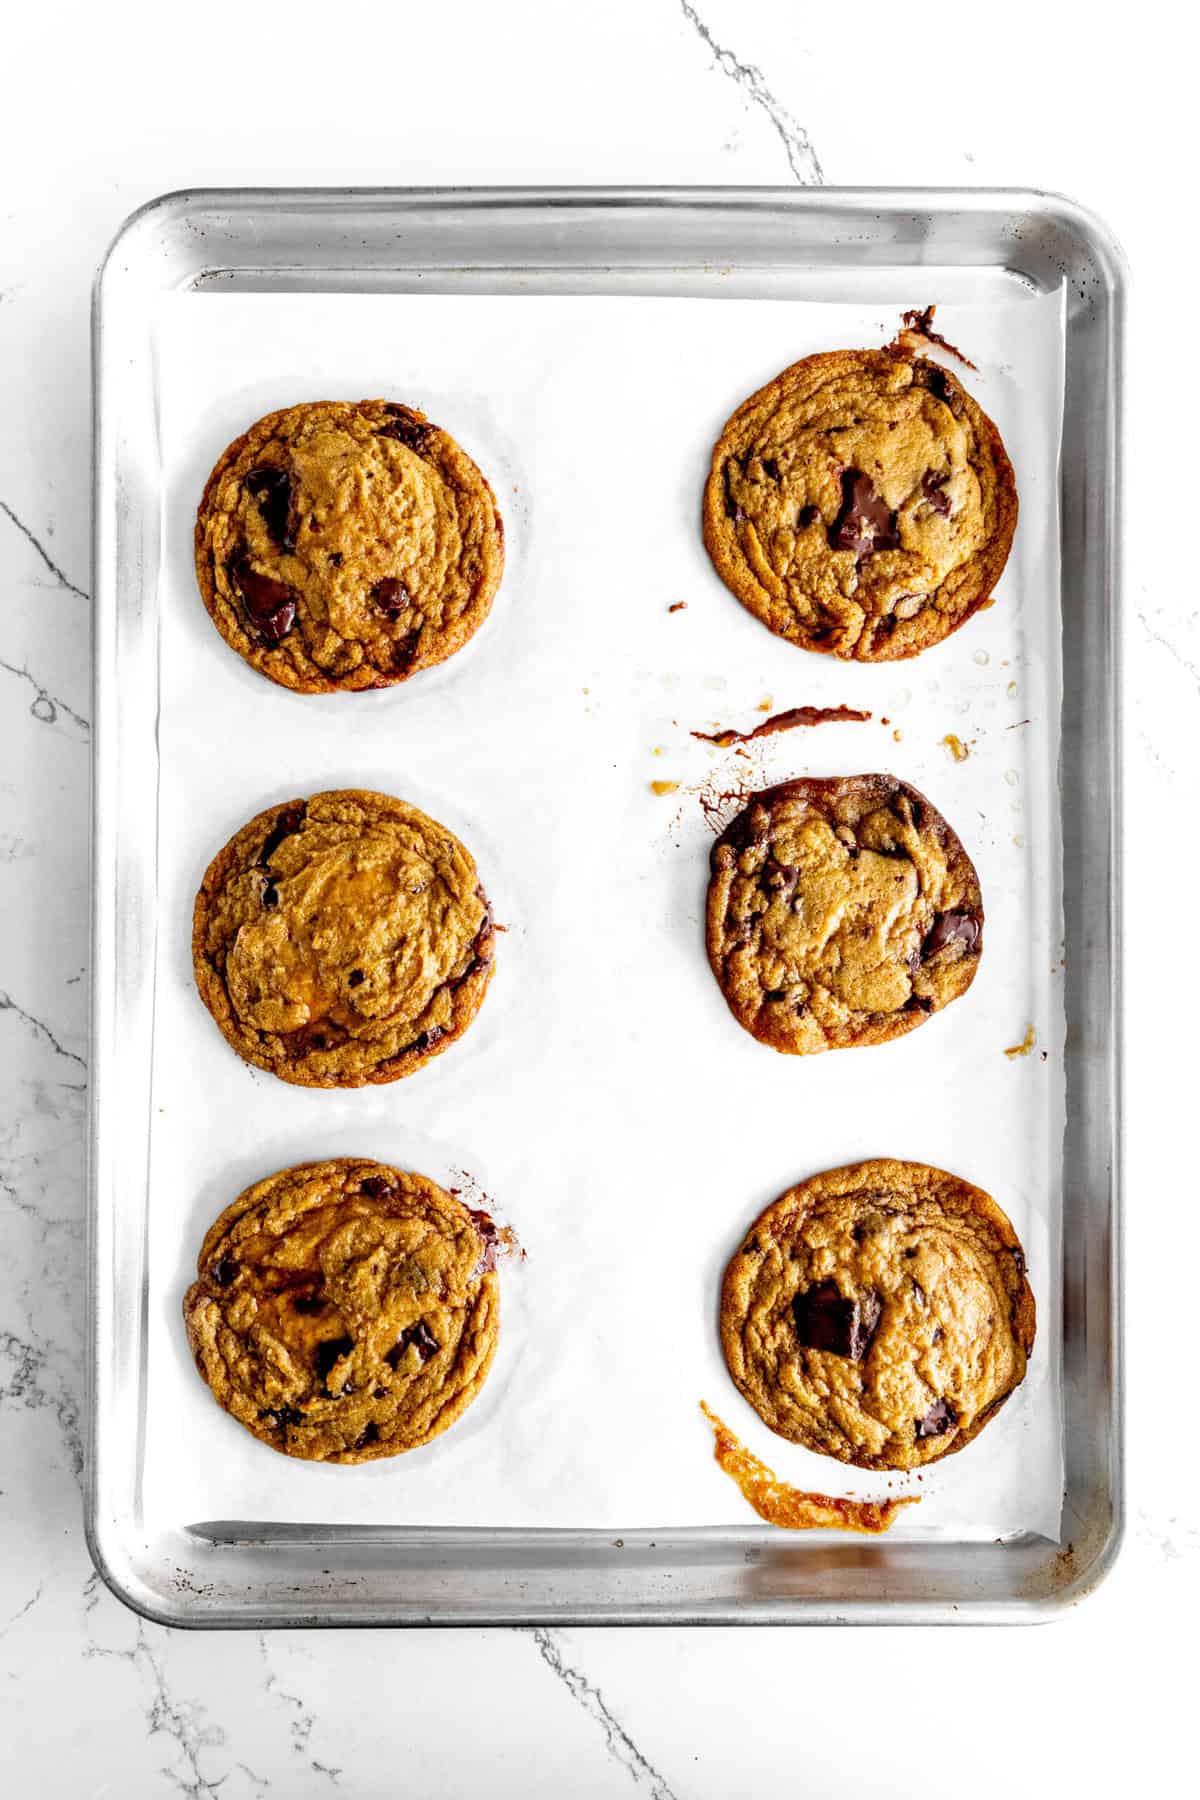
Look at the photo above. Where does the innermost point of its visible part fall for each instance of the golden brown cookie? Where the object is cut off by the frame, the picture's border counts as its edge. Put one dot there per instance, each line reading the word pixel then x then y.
pixel 345 1310
pixel 879 1313
pixel 841 912
pixel 342 940
pixel 861 504
pixel 345 545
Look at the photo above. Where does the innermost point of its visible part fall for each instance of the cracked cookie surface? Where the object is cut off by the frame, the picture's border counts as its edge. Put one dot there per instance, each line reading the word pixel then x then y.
pixel 861 504
pixel 345 1310
pixel 841 911
pixel 879 1313
pixel 346 546
pixel 342 940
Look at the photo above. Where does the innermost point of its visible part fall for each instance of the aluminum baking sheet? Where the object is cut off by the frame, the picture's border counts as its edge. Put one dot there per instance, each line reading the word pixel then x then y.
pixel 604 1100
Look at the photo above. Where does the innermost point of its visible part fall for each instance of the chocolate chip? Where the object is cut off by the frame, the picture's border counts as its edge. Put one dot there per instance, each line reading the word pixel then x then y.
pixel 272 488
pixel 808 515
pixel 330 1352
pixel 270 605
pixel 952 928
pixel 494 1240
pixel 288 821
pixel 865 523
pixel 356 978
pixel 732 509
pixel 826 1320
pixel 406 426
pixel 770 467
pixel 931 487
pixel 282 1415
pixel 270 895
pixel 919 1291
pixel 918 1003
pixel 421 1339
pixel 335 559
pixel 1018 1256
pixel 391 596
pixel 940 1419
pixel 928 375
pixel 308 1303
pixel 224 1271
pixel 425 1040
pixel 752 1247
pixel 376 1186
pixel 369 1436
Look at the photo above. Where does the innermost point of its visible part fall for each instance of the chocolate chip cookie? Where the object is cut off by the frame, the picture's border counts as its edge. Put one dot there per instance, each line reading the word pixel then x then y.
pixel 879 1313
pixel 347 545
pixel 345 1310
pixel 841 912
pixel 861 504
pixel 342 940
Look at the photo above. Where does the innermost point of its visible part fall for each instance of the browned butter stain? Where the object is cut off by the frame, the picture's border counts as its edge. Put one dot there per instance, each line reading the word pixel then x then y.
pixel 784 721
pixel 791 1508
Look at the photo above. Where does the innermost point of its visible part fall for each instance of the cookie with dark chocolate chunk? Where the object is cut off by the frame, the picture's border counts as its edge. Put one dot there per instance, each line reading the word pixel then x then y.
pixel 342 940
pixel 346 546
pixel 861 504
pixel 841 911
pixel 879 1313
pixel 344 1311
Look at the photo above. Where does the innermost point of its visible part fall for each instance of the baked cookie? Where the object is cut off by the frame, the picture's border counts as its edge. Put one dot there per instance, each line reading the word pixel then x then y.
pixel 841 911
pixel 345 1310
pixel 879 1313
pixel 345 545
pixel 861 504
pixel 342 940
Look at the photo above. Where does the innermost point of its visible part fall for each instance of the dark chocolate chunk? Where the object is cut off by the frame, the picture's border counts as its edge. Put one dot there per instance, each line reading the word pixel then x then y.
pixel 335 559
pixel 826 1320
pixel 272 488
pixel 865 523
pixel 270 895
pixel 390 596
pixel 732 509
pixel 282 1415
pixel 376 1186
pixel 288 822
pixel 406 427
pixel 330 1352
pixel 356 978
pixel 770 467
pixel 940 1419
pixel 224 1271
pixel 425 1040
pixel 494 1240
pixel 932 486
pixel 421 1339
pixel 369 1436
pixel 270 605
pixel 808 515
pixel 308 1303
pixel 1018 1256
pixel 952 928
pixel 918 1003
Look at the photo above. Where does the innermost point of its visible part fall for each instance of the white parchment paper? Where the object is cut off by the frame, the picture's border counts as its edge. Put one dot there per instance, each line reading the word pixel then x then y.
pixel 605 1099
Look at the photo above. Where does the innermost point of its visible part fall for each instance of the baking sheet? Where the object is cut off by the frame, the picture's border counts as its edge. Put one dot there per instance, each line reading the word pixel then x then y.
pixel 605 1100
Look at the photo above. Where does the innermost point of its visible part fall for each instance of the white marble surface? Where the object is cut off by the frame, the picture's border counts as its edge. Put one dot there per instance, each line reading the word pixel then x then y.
pixel 106 106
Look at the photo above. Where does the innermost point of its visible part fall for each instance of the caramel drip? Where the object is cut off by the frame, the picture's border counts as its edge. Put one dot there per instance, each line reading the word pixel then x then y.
pixel 791 1508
